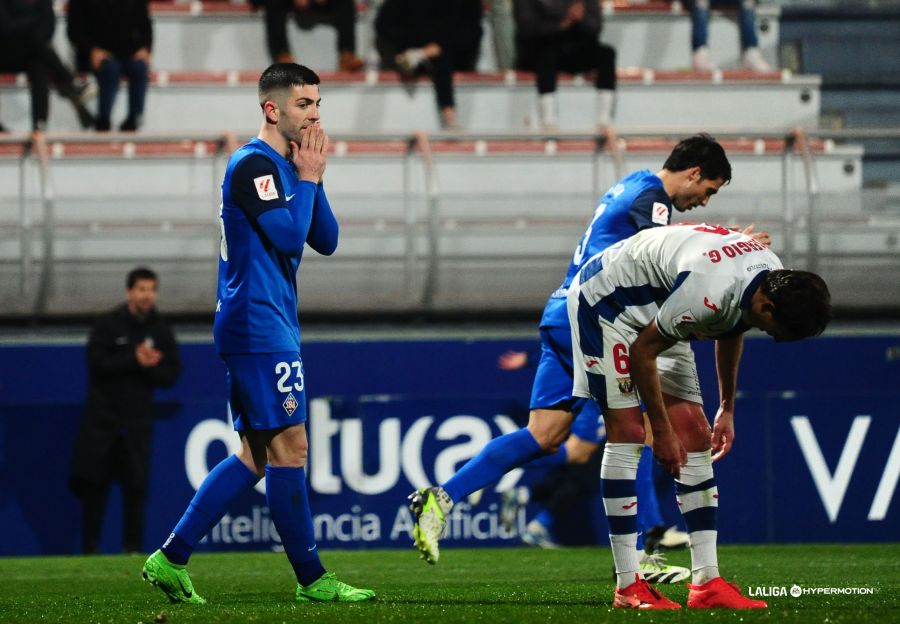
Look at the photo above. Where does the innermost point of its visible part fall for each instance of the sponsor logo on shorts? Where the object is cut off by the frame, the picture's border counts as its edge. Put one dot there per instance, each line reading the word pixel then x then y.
pixel 290 404
pixel 626 386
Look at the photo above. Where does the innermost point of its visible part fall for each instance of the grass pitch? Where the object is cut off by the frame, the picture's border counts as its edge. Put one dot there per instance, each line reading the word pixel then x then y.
pixel 479 585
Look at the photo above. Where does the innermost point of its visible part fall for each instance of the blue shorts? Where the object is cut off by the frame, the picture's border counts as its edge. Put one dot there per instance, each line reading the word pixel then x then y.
pixel 265 390
pixel 552 387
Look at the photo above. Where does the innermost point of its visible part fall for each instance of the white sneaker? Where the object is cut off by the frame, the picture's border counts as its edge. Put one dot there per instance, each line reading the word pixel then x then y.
pixel 512 500
pixel 654 569
pixel 753 60
pixel 700 60
pixel 547 115
pixel 409 61
pixel 674 538
pixel 536 534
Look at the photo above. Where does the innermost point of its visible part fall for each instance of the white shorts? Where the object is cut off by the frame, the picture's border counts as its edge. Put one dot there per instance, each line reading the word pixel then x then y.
pixel 603 349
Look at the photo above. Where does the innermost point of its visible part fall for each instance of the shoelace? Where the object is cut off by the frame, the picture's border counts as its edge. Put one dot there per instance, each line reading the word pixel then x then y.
pixel 655 559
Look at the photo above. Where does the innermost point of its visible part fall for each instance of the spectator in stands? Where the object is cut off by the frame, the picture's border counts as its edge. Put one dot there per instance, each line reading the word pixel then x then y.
pixel 130 351
pixel 503 27
pixel 26 28
pixel 431 37
pixel 113 38
pixel 751 57
pixel 562 35
pixel 339 13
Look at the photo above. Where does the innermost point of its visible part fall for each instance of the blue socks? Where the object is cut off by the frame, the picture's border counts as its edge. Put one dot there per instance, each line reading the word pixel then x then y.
pixel 289 507
pixel 498 457
pixel 221 486
pixel 551 460
pixel 545 519
pixel 648 513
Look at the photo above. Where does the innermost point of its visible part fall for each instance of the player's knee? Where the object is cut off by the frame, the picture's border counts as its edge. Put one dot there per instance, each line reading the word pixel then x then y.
pixel 579 453
pixel 629 432
pixel 549 438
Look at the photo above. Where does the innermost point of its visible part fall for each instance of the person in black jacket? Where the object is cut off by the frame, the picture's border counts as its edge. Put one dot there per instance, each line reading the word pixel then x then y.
pixel 130 351
pixel 433 37
pixel 562 35
pixel 26 28
pixel 113 38
pixel 309 13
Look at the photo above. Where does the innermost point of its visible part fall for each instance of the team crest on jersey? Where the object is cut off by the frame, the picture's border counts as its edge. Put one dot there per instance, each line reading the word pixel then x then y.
pixel 290 404
pixel 660 213
pixel 265 187
pixel 626 386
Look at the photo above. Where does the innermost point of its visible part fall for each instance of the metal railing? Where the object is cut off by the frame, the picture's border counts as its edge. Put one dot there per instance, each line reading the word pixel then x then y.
pixel 39 150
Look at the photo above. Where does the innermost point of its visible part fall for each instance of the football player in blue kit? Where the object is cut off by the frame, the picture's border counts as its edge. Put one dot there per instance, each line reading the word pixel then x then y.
pixel 694 171
pixel 273 203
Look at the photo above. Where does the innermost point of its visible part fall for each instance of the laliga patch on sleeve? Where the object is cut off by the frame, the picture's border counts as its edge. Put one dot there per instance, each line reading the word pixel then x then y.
pixel 660 213
pixel 265 187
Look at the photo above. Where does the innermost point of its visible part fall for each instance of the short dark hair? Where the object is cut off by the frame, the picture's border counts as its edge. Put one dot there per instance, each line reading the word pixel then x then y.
pixel 281 76
pixel 801 299
pixel 700 150
pixel 139 273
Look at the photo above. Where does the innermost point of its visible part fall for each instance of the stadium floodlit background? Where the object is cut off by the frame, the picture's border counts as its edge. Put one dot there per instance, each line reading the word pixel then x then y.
pixel 450 244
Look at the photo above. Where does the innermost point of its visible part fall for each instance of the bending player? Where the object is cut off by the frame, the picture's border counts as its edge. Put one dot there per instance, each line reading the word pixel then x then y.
pixel 273 203
pixel 647 296
pixel 576 477
pixel 695 170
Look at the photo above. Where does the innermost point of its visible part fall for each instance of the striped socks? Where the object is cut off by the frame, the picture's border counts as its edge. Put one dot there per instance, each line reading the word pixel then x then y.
pixel 698 499
pixel 617 483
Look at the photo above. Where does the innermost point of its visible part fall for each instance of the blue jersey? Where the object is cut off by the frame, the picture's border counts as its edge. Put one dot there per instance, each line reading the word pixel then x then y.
pixel 256 309
pixel 637 202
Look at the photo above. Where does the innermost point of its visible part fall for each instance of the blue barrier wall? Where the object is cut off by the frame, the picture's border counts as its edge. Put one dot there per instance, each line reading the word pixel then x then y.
pixel 817 454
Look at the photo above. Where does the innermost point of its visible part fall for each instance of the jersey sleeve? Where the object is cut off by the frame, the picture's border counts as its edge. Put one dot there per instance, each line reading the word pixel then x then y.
pixel 256 186
pixel 323 230
pixel 651 208
pixel 695 308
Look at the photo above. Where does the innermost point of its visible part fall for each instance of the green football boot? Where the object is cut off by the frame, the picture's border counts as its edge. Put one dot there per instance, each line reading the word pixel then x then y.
pixel 430 506
pixel 172 579
pixel 329 589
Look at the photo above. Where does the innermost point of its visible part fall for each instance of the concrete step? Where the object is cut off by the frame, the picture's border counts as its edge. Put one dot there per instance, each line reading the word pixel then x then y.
pixel 506 217
pixel 378 101
pixel 219 36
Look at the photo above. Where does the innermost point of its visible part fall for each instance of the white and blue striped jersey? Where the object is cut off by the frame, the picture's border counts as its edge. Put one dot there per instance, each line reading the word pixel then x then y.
pixel 636 202
pixel 696 281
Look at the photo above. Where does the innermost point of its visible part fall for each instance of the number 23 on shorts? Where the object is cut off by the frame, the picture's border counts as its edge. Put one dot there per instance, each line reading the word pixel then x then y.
pixel 290 376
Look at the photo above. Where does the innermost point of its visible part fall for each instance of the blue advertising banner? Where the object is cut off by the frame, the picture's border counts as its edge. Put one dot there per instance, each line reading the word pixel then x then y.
pixel 817 453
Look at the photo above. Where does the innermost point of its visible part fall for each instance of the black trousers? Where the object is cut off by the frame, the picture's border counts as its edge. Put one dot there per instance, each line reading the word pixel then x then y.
pixel 439 69
pixel 27 52
pixel 94 497
pixel 339 13
pixel 571 52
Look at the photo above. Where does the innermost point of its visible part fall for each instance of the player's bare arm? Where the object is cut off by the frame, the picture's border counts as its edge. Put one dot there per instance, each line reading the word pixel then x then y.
pixel 728 357
pixel 666 446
